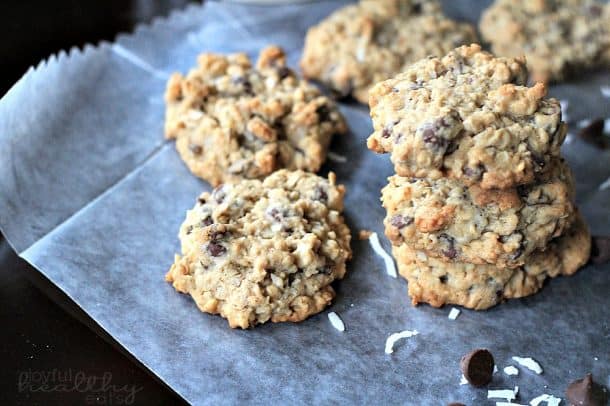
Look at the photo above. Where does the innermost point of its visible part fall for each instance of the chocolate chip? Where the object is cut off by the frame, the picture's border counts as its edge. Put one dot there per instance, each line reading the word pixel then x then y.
pixel 443 279
pixel 434 142
pixel 386 132
pixel 283 72
pixel 478 367
pixel 275 214
pixel 451 148
pixel 195 149
pixel 399 221
pixel 201 200
pixel 416 8
pixel 600 249
pixel 244 82
pixel 207 221
pixel 215 249
pixel 323 113
pixel 320 194
pixel 594 134
pixel 474 173
pixel 449 251
pixel 586 392
pixel 189 229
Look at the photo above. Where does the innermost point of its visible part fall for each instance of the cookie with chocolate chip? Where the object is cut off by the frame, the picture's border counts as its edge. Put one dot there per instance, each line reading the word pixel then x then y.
pixel 256 251
pixel 558 37
pixel 362 44
pixel 436 282
pixel 469 116
pixel 454 222
pixel 232 120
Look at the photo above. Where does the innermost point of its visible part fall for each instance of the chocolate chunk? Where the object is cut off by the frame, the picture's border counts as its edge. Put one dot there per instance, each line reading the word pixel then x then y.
pixel 478 367
pixel 195 149
pixel 474 173
pixel 434 142
pixel 215 249
pixel 283 72
pixel 207 221
pixel 600 249
pixel 443 279
pixel 399 221
pixel 323 113
pixel 245 84
pixel 386 132
pixel 201 200
pixel 594 134
pixel 320 194
pixel 586 392
pixel 449 251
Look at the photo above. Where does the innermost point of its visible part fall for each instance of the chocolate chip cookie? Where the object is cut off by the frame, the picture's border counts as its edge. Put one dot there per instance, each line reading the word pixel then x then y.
pixel 454 222
pixel 362 44
pixel 558 37
pixel 468 116
pixel 255 251
pixel 232 120
pixel 434 281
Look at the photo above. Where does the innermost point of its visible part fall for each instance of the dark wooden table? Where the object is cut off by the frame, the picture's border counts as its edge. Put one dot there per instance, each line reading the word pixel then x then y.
pixel 51 352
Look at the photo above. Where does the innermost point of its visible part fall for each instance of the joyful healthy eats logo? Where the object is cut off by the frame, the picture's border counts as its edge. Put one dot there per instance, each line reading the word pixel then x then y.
pixel 96 389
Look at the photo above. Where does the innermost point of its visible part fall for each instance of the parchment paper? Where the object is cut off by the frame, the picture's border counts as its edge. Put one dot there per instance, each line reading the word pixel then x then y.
pixel 93 197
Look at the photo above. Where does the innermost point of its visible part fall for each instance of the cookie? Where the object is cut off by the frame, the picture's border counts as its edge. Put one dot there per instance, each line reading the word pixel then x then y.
pixel 362 44
pixel 468 116
pixel 558 37
pixel 233 121
pixel 255 251
pixel 458 223
pixel 433 281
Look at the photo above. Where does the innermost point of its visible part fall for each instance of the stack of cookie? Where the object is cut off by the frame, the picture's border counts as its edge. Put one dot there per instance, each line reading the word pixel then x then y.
pixel 481 206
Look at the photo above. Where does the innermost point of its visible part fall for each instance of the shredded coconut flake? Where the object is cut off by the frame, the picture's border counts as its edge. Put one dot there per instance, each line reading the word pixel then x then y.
pixel 529 363
pixel 509 404
pixel 333 156
pixel 336 321
pixel 605 91
pixel 511 371
pixel 564 110
pixel 389 343
pixel 454 313
pixel 605 185
pixel 549 399
pixel 508 394
pixel 389 262
pixel 463 380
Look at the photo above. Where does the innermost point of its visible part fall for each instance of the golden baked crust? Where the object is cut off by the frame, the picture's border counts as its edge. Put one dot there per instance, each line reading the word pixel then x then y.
pixel 433 281
pixel 233 121
pixel 255 251
pixel 362 44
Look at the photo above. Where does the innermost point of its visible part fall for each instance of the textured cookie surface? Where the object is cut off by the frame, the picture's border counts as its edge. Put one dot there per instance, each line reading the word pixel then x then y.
pixel 362 44
pixel 454 222
pixel 436 282
pixel 467 116
pixel 558 37
pixel 232 120
pixel 256 251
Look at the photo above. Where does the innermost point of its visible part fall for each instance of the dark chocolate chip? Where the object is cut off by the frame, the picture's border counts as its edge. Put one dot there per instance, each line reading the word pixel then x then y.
pixel 586 392
pixel 443 279
pixel 207 221
pixel 275 214
pixel 283 72
pixel 201 200
pixel 478 367
pixel 451 148
pixel 399 221
pixel 600 249
pixel 594 134
pixel 195 149
pixel 449 251
pixel 474 173
pixel 244 82
pixel 215 249
pixel 434 142
pixel 189 229
pixel 323 113
pixel 320 194
pixel 386 132
pixel 416 8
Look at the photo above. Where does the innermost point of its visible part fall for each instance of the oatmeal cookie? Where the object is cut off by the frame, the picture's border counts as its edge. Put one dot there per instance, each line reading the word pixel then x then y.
pixel 232 120
pixel 433 281
pixel 255 251
pixel 362 44
pixel 558 37
pixel 467 116
pixel 462 223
